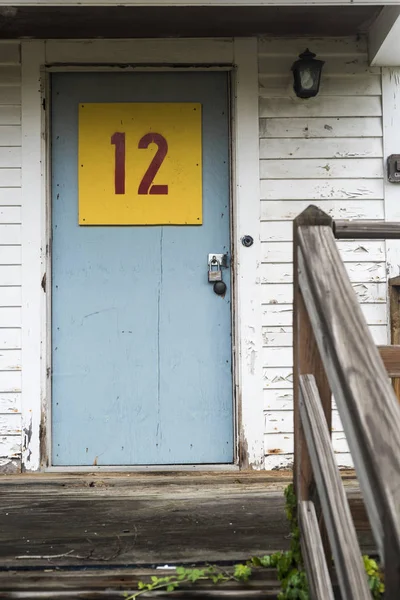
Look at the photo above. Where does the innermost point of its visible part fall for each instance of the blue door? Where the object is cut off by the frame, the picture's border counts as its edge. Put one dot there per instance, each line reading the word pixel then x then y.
pixel 141 344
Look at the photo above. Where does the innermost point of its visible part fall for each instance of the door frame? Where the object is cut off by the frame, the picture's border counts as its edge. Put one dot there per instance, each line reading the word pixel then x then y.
pixel 39 58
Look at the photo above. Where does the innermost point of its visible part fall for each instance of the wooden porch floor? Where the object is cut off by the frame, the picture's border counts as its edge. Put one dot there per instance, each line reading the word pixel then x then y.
pixel 59 529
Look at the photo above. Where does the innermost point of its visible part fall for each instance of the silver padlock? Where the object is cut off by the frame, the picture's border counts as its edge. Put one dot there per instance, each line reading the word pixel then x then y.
pixel 214 270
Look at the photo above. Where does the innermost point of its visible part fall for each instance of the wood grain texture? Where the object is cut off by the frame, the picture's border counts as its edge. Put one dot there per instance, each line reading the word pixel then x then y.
pixel 367 405
pixel 342 534
pixel 366 230
pixel 390 356
pixel 318 577
pixel 394 316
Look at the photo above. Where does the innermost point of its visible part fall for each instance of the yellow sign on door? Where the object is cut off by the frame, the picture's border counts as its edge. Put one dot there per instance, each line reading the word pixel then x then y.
pixel 140 164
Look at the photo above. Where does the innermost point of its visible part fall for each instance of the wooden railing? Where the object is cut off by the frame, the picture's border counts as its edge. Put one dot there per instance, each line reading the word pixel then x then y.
pixel 334 355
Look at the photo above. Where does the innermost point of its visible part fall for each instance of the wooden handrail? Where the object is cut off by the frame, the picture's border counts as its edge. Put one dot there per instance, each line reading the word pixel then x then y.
pixel 366 230
pixel 332 342
pixel 335 508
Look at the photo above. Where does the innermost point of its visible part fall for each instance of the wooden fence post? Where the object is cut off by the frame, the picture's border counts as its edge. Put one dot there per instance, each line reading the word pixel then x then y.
pixel 306 361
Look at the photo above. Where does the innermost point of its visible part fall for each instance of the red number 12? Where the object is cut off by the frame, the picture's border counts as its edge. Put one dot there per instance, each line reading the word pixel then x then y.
pixel 146 185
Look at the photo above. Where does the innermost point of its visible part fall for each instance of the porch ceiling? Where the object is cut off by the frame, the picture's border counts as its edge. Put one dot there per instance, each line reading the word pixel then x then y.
pixel 143 22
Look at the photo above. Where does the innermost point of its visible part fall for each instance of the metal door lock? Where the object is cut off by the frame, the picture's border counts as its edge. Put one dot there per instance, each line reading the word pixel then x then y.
pixel 217 262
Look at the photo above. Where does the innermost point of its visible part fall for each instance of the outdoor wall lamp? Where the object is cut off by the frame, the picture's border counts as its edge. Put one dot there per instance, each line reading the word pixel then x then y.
pixel 307 75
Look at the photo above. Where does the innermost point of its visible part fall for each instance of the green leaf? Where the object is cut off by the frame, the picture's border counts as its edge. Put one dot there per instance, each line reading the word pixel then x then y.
pixel 242 572
pixel 256 561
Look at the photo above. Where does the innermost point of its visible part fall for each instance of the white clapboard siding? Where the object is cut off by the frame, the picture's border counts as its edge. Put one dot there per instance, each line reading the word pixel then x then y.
pixel 363 168
pixel 282 314
pixel 285 461
pixel 334 127
pixel 10 95
pixel 281 421
pixel 10 339
pixel 10 255
pixel 321 189
pixel 351 251
pixel 276 86
pixel 10 157
pixel 321 106
pixel 359 272
pixel 10 177
pixel 325 151
pixel 10 447
pixel 10 135
pixel 279 210
pixel 282 293
pixel 10 115
pixel 10 403
pixel 10 214
pixel 10 53
pixel 347 147
pixel 276 443
pixel 10 296
pixel 10 252
pixel 282 337
pixel 10 424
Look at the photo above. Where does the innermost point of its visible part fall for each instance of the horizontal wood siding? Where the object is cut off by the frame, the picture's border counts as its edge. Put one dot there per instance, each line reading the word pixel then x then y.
pixel 10 256
pixel 326 151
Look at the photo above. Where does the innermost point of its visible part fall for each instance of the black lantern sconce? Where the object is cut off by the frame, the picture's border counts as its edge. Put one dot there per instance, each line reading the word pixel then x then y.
pixel 307 75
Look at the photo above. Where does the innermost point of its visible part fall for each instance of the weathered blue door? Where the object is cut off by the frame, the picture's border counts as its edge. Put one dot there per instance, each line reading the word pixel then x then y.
pixel 141 345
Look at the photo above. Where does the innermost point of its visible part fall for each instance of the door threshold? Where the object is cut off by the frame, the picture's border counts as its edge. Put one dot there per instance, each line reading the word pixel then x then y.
pixel 142 468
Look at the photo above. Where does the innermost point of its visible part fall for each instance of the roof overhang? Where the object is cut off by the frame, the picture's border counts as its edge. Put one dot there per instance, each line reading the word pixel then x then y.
pixel 384 38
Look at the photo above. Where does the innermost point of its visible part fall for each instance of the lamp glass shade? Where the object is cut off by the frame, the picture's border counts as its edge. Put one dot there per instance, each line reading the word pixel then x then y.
pixel 307 75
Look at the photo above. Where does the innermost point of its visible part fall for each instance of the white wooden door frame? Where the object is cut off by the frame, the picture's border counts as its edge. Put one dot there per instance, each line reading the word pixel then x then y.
pixel 37 57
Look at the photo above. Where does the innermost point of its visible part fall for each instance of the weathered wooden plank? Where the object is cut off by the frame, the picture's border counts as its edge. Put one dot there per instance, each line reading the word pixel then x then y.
pixel 366 401
pixel 10 235
pixel 336 65
pixel 302 168
pixel 10 403
pixel 10 95
pixel 281 421
pixel 286 148
pixel 10 214
pixel 10 255
pixel 321 189
pixel 10 74
pixel 347 47
pixel 282 443
pixel 10 135
pixel 10 274
pixel 10 296
pixel 327 106
pixel 10 446
pixel 286 210
pixel 10 424
pixel 10 157
pixel 317 127
pixel 276 293
pixel 278 357
pixel 10 317
pixel 342 534
pixel 318 578
pixel 278 336
pixel 359 272
pixel 394 321
pixel 390 356
pixel 10 115
pixel 10 177
pixel 366 230
pixel 307 359
pixel 10 360
pixel 10 196
pixel 281 86
pixel 10 53
pixel 278 377
pixel 357 251
pixel 278 399
pixel 281 314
